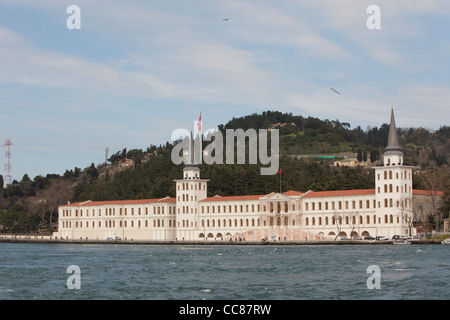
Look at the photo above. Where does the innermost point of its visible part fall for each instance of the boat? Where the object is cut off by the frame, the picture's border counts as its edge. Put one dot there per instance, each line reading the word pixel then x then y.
pixel 401 242
pixel 446 241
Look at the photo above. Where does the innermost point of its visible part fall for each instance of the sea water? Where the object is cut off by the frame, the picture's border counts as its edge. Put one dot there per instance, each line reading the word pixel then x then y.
pixel 332 272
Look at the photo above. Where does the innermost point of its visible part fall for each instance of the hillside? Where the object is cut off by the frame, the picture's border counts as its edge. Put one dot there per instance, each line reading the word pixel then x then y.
pixel 150 173
pixel 300 135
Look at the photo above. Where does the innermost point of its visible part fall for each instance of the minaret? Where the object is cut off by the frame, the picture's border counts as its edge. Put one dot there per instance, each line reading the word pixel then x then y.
pixel 393 188
pixel 189 191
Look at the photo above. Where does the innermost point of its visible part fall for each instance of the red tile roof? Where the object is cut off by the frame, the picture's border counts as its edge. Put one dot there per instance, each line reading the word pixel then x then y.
pixel 292 193
pixel 289 193
pixel 234 198
pixel 120 202
pixel 339 193
pixel 426 192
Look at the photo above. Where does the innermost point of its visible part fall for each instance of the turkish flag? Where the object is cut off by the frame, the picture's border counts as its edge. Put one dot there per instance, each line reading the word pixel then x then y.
pixel 199 123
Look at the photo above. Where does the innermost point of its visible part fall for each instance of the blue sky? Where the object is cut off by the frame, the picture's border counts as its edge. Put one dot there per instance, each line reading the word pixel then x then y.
pixel 137 70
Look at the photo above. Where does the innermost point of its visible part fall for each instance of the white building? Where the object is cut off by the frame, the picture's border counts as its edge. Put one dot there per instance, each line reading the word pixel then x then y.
pixel 385 210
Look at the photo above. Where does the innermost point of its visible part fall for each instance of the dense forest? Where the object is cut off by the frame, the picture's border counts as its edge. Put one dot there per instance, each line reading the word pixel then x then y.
pixel 31 204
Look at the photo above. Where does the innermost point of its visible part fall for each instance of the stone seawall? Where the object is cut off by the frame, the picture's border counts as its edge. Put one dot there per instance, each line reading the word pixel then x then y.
pixel 49 239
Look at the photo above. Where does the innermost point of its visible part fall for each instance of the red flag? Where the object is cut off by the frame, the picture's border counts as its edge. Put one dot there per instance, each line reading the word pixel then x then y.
pixel 199 123
pixel 279 172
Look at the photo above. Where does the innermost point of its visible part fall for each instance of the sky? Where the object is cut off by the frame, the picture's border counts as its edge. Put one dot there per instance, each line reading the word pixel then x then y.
pixel 137 70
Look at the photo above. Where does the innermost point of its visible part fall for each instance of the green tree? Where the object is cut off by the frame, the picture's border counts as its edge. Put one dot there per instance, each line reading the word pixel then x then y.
pixel 359 156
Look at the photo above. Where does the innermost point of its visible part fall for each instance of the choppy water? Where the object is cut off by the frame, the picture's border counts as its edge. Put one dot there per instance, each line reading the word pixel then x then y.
pixel 38 271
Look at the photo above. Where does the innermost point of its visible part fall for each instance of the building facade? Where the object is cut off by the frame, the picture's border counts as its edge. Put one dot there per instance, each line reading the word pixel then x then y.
pixel 386 210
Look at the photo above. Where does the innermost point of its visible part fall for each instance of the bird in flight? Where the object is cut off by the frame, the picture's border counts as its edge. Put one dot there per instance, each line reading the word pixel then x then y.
pixel 226 19
pixel 334 90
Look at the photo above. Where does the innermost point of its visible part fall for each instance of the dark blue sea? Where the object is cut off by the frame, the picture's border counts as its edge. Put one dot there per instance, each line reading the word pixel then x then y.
pixel 240 272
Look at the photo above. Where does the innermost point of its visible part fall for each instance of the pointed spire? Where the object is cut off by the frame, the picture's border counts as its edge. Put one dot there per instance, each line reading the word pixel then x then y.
pixel 393 145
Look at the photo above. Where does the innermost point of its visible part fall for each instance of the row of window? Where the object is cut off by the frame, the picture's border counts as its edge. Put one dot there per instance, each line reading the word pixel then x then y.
pixel 121 211
pixel 194 186
pixel 388 203
pixel 388 175
pixel 223 223
pixel 339 205
pixel 157 223
pixel 277 207
pixel 389 188
pixel 273 207
pixel 406 203
pixel 230 208
pixel 185 197
pixel 349 220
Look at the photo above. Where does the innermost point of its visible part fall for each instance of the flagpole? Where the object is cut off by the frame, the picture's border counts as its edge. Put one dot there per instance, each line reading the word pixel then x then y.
pixel 280 179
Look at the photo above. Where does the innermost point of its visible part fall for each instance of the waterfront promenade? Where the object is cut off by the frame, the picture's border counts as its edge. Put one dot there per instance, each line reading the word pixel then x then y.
pixel 51 239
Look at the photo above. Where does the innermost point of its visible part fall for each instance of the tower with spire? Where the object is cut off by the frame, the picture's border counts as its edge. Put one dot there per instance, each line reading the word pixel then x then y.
pixel 189 191
pixel 393 185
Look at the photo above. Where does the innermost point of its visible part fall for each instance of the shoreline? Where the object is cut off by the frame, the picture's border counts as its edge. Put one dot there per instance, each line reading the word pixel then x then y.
pixel 51 240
